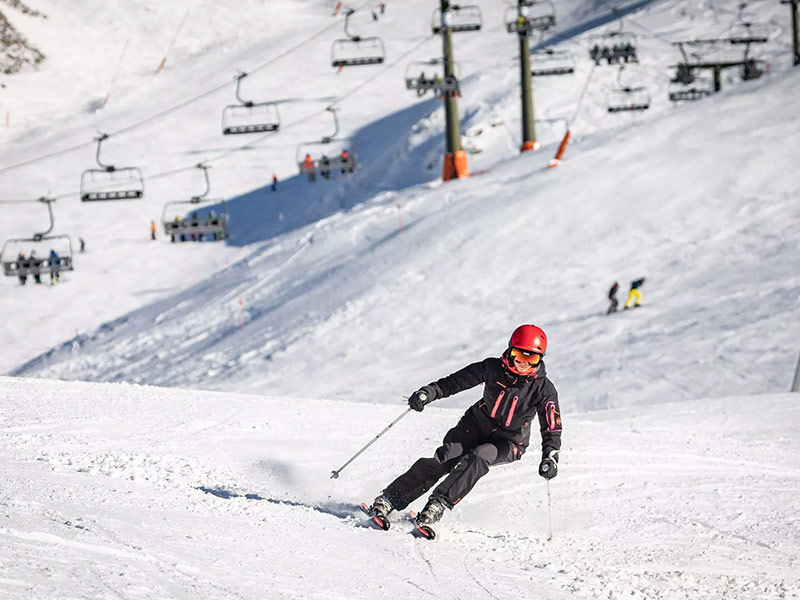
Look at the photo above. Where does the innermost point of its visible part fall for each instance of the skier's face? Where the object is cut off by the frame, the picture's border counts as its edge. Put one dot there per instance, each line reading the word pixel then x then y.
pixel 524 361
pixel 522 367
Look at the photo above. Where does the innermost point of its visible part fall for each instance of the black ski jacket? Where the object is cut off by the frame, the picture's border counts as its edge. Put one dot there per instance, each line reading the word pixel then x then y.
pixel 510 402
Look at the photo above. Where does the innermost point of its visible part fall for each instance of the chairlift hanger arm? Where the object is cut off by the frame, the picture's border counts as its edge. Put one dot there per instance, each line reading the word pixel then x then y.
pixel 205 168
pixel 332 136
pixel 242 101
pixel 100 139
pixel 39 236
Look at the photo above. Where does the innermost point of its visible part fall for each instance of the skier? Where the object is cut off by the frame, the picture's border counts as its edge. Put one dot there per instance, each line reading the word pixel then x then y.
pixel 152 230
pixel 275 182
pixel 495 430
pixel 612 295
pixel 634 295
pixel 83 244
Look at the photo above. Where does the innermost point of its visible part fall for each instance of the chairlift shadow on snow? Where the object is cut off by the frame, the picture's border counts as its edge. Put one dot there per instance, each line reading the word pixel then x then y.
pixel 261 214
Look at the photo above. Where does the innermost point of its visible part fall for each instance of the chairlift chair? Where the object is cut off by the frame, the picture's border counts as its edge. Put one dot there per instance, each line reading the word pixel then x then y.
pixel 110 182
pixel 328 155
pixel 325 157
pixel 535 16
pixel 552 62
pixel 42 244
pixel 627 99
pixel 686 86
pixel 749 33
pixel 458 19
pixel 423 76
pixel 615 47
pixel 356 50
pixel 249 116
pixel 195 227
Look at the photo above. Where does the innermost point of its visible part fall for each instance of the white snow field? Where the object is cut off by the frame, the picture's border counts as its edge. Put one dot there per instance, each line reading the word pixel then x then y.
pixel 124 491
pixel 171 413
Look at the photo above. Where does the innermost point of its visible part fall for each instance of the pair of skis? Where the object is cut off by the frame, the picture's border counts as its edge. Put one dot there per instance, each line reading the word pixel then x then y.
pixel 423 531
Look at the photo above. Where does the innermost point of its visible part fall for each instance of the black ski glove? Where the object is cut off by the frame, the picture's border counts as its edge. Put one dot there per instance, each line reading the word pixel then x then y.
pixel 424 395
pixel 548 468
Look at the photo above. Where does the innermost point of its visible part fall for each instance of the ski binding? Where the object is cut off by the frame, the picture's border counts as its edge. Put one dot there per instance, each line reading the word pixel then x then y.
pixel 377 520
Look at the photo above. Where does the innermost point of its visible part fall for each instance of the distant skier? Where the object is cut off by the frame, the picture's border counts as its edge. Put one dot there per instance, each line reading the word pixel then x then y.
pixel 634 295
pixel 83 244
pixel 612 296
pixel 494 431
pixel 152 230
pixel 274 182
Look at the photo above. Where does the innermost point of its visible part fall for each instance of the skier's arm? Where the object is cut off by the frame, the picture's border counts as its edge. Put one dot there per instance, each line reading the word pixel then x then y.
pixel 549 414
pixel 463 379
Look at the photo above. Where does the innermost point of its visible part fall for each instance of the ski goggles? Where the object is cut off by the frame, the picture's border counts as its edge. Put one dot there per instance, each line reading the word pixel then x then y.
pixel 524 356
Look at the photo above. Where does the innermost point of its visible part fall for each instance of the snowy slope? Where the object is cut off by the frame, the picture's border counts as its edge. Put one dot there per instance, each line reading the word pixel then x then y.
pixel 679 473
pixel 719 251
pixel 141 492
pixel 299 270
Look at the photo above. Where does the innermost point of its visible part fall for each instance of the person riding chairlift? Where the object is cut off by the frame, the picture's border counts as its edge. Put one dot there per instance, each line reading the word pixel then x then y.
pixel 308 166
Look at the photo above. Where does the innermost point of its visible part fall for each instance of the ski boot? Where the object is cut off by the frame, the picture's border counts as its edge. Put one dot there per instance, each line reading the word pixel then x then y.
pixel 379 511
pixel 429 515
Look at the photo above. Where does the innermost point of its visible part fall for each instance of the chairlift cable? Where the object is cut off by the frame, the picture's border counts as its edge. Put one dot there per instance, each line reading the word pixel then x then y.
pixel 175 107
pixel 580 98
pixel 256 141
pixel 653 34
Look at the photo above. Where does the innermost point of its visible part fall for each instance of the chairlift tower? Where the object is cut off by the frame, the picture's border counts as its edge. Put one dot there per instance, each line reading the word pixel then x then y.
pixel 795 29
pixel 525 78
pixel 685 70
pixel 455 158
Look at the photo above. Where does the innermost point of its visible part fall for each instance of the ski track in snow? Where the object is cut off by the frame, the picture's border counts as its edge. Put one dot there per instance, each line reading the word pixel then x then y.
pixel 112 487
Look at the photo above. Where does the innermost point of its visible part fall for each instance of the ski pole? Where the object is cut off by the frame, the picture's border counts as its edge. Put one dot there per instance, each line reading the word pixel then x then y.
pixel 335 474
pixel 549 513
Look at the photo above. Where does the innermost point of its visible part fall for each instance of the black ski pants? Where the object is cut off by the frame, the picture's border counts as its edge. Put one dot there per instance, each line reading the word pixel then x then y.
pixel 464 456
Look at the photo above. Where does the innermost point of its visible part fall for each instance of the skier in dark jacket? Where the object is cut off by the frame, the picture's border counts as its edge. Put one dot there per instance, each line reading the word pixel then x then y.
pixel 495 430
pixel 612 295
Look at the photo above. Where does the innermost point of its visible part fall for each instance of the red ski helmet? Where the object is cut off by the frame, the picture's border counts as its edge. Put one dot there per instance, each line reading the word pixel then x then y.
pixel 529 338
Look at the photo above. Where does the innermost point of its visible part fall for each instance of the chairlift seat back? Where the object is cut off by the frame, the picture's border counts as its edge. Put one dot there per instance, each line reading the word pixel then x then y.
pixel 124 183
pixel 461 19
pixel 257 118
pixel 357 52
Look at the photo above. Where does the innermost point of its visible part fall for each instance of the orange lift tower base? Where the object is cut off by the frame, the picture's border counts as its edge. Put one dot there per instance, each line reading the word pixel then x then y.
pixel 455 165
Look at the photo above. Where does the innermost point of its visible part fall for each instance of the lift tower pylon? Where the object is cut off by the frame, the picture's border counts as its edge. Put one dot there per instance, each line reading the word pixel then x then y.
pixel 455 158
pixel 525 79
pixel 795 32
